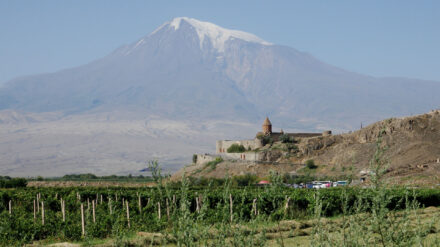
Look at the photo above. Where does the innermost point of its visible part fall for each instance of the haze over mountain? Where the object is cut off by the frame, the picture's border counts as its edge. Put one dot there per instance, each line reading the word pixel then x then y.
pixel 212 81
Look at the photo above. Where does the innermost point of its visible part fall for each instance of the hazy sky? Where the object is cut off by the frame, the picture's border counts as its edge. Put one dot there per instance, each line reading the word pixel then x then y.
pixel 379 38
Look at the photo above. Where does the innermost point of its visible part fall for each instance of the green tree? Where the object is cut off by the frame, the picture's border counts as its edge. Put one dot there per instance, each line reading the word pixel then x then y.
pixel 311 164
pixel 236 148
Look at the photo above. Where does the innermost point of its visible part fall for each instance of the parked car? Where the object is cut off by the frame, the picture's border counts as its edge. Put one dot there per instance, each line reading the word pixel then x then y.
pixel 317 185
pixel 321 184
pixel 340 183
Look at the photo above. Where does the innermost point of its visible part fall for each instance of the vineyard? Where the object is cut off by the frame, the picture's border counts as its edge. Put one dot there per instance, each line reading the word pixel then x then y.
pixel 79 214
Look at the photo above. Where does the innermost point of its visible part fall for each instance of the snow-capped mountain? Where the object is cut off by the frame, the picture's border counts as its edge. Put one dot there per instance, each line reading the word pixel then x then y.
pixel 174 92
pixel 190 69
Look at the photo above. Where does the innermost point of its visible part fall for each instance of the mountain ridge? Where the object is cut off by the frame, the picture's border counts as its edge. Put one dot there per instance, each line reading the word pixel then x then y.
pixel 243 78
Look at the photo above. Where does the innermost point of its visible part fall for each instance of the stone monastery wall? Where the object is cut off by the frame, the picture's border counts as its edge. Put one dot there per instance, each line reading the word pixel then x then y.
pixel 222 146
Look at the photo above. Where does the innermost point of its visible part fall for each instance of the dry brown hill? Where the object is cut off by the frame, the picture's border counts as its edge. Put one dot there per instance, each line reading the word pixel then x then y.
pixel 412 151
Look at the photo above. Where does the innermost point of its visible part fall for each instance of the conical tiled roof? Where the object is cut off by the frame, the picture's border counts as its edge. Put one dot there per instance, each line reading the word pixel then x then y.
pixel 267 121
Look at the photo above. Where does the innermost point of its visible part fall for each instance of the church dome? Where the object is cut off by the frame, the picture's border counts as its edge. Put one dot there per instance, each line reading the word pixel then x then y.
pixel 267 127
pixel 267 122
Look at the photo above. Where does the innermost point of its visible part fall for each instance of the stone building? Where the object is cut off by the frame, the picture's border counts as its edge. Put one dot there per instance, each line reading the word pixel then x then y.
pixel 266 131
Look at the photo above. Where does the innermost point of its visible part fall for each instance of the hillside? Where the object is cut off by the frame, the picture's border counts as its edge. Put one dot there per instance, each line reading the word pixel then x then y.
pixel 412 151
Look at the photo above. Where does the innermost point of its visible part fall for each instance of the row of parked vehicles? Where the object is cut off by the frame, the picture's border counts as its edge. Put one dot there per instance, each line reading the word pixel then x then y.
pixel 325 184
pixel 319 184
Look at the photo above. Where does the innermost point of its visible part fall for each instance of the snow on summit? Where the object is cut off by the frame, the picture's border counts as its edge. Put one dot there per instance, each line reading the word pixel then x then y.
pixel 216 34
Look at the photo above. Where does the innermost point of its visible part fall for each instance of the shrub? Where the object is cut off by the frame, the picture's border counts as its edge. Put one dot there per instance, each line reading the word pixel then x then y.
pixel 245 180
pixel 13 183
pixel 236 148
pixel 267 140
pixel 284 138
pixel 292 147
pixel 194 158
pixel 311 164
pixel 213 164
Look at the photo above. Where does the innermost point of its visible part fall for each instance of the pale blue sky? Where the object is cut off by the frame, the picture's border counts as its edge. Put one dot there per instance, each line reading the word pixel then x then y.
pixel 379 38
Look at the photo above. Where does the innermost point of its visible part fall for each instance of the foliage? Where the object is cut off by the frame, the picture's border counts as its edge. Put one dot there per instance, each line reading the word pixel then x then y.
pixel 265 139
pixel 80 176
pixel 311 164
pixel 93 177
pixel 212 164
pixel 194 159
pixel 7 182
pixel 245 180
pixel 236 148
pixel 285 138
pixel 291 147
pixel 20 227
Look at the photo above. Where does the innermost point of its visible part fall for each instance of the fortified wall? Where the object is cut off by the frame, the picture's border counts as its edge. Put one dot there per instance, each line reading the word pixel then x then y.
pixel 252 144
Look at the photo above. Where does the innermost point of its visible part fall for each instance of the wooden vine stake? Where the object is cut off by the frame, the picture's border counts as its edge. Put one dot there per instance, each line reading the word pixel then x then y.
pixel 82 220
pixel 64 211
pixel 230 206
pixel 93 211
pixel 38 204
pixel 168 209
pixel 197 204
pixel 35 211
pixel 128 214
pixel 10 207
pixel 101 200
pixel 139 204
pixel 254 206
pixel 88 205
pixel 158 210
pixel 42 213
pixel 287 205
pixel 110 205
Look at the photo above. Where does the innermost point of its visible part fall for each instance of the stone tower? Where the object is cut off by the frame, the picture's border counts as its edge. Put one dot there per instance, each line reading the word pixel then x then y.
pixel 267 127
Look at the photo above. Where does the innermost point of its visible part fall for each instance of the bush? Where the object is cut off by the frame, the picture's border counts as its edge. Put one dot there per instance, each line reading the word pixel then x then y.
pixel 236 148
pixel 267 140
pixel 194 158
pixel 213 164
pixel 311 164
pixel 284 138
pixel 13 183
pixel 292 147
pixel 245 180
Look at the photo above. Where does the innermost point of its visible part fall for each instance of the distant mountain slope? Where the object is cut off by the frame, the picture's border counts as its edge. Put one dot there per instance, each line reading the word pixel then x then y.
pixel 192 69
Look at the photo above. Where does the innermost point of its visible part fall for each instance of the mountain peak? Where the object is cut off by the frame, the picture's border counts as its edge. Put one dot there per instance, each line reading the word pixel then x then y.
pixel 216 34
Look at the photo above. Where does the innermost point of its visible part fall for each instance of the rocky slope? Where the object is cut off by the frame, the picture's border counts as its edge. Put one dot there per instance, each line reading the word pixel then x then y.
pixel 412 153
